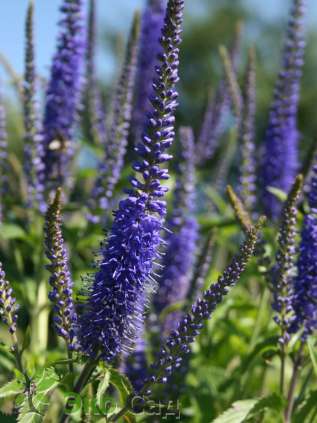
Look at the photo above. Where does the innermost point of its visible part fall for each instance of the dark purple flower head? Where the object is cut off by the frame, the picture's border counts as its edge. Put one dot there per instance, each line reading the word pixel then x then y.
pixel 178 344
pixel 120 289
pixel 3 156
pixel 280 149
pixel 150 47
pixel 248 166
pixel 305 285
pixel 61 295
pixel 8 306
pixel 282 274
pixel 63 94
pixel 109 170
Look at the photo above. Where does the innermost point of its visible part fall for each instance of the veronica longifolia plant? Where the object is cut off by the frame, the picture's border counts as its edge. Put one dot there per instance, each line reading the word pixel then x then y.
pixel 117 297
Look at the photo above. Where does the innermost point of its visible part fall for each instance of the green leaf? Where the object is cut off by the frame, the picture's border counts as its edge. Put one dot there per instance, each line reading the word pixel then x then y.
pixel 124 387
pixel 237 413
pixel 273 402
pixel 312 354
pixel 240 411
pixel 11 231
pixel 31 418
pixel 122 384
pixel 45 381
pixel 278 193
pixel 12 388
pixel 102 387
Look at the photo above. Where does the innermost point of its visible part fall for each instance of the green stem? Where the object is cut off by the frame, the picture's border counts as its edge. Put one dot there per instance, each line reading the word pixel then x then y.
pixel 291 393
pixel 282 370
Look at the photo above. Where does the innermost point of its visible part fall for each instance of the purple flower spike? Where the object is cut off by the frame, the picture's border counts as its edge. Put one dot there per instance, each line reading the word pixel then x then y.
pixel 120 290
pixel 3 157
pixel 61 295
pixel 33 139
pixel 110 168
pixel 151 25
pixel 285 262
pixel 63 95
pixel 248 168
pixel 305 285
pixel 280 149
pixel 8 306
pixel 181 240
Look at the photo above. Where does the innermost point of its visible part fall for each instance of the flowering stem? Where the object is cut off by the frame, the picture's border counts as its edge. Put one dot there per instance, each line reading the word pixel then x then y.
pixel 282 372
pixel 291 392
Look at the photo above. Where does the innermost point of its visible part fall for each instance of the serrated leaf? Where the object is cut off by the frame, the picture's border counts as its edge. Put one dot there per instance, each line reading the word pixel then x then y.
pixel 102 387
pixel 31 418
pixel 44 382
pixel 12 388
pixel 237 413
pixel 273 402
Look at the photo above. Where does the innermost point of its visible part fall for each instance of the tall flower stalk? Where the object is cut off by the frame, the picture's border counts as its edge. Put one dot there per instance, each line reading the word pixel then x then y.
pixel 109 170
pixel 305 285
pixel 280 148
pixel 120 289
pixel 151 25
pixel 283 271
pixel 63 95
pixel 33 140
pixel 61 294
pixel 247 134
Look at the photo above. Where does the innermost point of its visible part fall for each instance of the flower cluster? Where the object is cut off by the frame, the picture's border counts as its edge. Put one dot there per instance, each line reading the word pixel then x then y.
pixel 8 306
pixel 305 285
pixel 280 149
pixel 61 295
pixel 119 292
pixel 285 262
pixel 63 95
pixel 110 168
pixel 248 168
